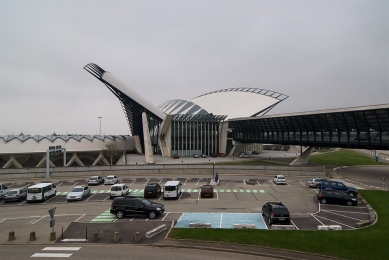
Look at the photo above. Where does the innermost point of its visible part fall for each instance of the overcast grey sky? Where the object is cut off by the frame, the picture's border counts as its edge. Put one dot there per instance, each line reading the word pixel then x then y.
pixel 322 54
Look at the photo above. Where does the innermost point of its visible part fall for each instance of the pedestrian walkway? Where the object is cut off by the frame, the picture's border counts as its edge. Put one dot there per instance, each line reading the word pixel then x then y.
pixel 139 192
pixel 105 217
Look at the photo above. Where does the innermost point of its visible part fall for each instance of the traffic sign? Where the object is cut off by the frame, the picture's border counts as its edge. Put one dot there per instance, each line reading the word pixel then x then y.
pixel 52 212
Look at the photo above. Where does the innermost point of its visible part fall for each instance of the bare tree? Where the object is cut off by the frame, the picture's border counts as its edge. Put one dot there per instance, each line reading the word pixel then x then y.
pixel 111 150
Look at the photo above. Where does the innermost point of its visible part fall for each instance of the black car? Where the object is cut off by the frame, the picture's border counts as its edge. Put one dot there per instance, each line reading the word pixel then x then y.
pixel 336 197
pixel 152 190
pixel 136 207
pixel 213 155
pixel 276 212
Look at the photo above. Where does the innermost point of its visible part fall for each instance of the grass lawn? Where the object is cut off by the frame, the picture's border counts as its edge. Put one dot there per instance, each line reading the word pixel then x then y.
pixel 366 243
pixel 344 157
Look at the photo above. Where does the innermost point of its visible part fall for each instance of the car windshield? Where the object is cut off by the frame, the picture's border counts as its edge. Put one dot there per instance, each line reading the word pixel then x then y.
pixel 34 190
pixel 150 188
pixel 116 188
pixel 77 190
pixel 170 188
pixel 206 188
pixel 281 177
pixel 93 178
pixel 310 179
pixel 12 192
pixel 109 178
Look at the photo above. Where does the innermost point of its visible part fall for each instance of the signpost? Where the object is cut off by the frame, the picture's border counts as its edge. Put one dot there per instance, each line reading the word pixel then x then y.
pixel 54 150
pixel 52 221
pixel 383 182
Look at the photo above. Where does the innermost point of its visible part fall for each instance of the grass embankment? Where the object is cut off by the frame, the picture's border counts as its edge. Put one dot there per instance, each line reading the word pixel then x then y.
pixel 343 157
pixel 367 243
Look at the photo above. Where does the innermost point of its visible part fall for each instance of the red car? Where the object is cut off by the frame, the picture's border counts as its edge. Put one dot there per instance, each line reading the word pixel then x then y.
pixel 175 156
pixel 206 191
pixel 221 155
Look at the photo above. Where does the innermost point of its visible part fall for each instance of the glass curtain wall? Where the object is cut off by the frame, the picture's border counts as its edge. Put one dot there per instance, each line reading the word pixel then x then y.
pixel 194 135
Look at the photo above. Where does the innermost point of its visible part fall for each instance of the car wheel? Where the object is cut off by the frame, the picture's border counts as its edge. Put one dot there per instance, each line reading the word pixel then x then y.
pixel 318 186
pixel 351 194
pixel 45 199
pixel 323 201
pixel 152 214
pixel 119 214
pixel 111 197
pixel 349 203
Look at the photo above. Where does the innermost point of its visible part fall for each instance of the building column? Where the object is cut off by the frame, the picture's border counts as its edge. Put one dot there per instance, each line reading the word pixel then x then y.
pixel 12 161
pixel 149 156
pixel 75 159
pixel 100 158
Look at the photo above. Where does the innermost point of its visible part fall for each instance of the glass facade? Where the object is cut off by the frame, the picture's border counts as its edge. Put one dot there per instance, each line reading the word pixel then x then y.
pixel 195 134
pixel 367 129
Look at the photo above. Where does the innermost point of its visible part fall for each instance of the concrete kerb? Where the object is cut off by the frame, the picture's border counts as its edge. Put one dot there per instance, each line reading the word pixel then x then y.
pixel 156 231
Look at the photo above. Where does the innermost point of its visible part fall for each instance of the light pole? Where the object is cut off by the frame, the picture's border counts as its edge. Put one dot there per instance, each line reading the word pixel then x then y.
pixel 100 117
pixel 213 172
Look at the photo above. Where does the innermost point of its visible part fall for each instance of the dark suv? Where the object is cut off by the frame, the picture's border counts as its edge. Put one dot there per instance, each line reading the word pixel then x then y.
pixel 335 197
pixel 276 212
pixel 152 190
pixel 337 185
pixel 135 207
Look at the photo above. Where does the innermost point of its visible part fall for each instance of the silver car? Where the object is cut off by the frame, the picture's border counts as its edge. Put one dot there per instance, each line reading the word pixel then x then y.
pixel 314 182
pixel 15 194
pixel 78 193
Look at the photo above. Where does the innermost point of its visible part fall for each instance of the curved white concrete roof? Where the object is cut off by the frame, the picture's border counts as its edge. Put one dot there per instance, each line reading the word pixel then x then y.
pixel 234 103
pixel 108 77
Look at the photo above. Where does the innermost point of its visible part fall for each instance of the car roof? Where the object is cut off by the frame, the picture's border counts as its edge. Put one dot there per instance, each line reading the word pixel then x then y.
pixel 79 186
pixel 16 189
pixel 277 204
pixel 94 176
pixel 152 184
pixel 118 184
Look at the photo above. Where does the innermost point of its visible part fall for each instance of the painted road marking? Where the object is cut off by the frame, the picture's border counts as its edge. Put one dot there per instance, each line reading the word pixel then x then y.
pixel 51 255
pixel 62 248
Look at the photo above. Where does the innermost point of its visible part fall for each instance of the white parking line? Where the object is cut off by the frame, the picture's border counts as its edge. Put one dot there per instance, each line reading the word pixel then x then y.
pixel 185 181
pixel 38 220
pixel 330 220
pixel 294 225
pixel 341 215
pixel 317 220
pixel 2 220
pixel 49 199
pixel 91 196
pixel 146 182
pixel 51 255
pixel 105 198
pixel 217 195
pixel 74 184
pixel 258 183
pixel 79 218
pixel 63 248
pixel 132 183
pixel 167 213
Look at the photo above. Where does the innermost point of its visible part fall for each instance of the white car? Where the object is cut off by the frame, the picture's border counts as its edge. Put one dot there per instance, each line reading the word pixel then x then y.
pixel 279 179
pixel 78 193
pixel 119 190
pixel 111 179
pixel 244 155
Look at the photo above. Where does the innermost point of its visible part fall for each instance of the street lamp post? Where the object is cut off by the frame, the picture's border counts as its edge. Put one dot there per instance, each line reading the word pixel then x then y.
pixel 213 171
pixel 100 117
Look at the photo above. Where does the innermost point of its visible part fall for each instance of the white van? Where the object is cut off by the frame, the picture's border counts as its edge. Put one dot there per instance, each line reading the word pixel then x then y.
pixel 119 190
pixel 172 189
pixel 41 192
pixel 3 190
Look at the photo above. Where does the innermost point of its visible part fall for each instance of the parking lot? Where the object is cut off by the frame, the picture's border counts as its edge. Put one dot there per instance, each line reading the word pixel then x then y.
pixel 233 195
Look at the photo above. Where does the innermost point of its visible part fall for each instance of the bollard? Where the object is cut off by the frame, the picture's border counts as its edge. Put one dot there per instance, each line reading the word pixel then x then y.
pixel 53 237
pixel 137 236
pixel 96 236
pixel 11 236
pixel 32 236
pixel 116 237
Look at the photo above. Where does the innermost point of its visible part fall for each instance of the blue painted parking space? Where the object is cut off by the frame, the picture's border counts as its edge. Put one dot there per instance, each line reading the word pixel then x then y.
pixel 221 220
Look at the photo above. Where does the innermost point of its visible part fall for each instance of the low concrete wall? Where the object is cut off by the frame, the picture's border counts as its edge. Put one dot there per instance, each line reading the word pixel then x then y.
pixel 164 169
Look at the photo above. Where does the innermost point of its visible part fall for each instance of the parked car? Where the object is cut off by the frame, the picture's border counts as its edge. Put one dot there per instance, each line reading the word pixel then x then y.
pixel 279 179
pixel 78 193
pixel 337 185
pixel 15 194
pixel 255 152
pixel 336 197
pixel 111 179
pixel 95 180
pixel 196 155
pixel 119 190
pixel 276 212
pixel 136 207
pixel 152 190
pixel 213 155
pixel 175 156
pixel 244 155
pixel 314 182
pixel 221 155
pixel 203 155
pixel 206 191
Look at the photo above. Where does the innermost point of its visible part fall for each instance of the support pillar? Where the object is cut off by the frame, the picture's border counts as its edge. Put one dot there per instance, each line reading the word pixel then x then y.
pixel 149 156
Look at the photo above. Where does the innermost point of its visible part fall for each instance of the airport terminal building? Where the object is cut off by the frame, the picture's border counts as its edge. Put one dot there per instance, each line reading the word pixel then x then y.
pixel 225 121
